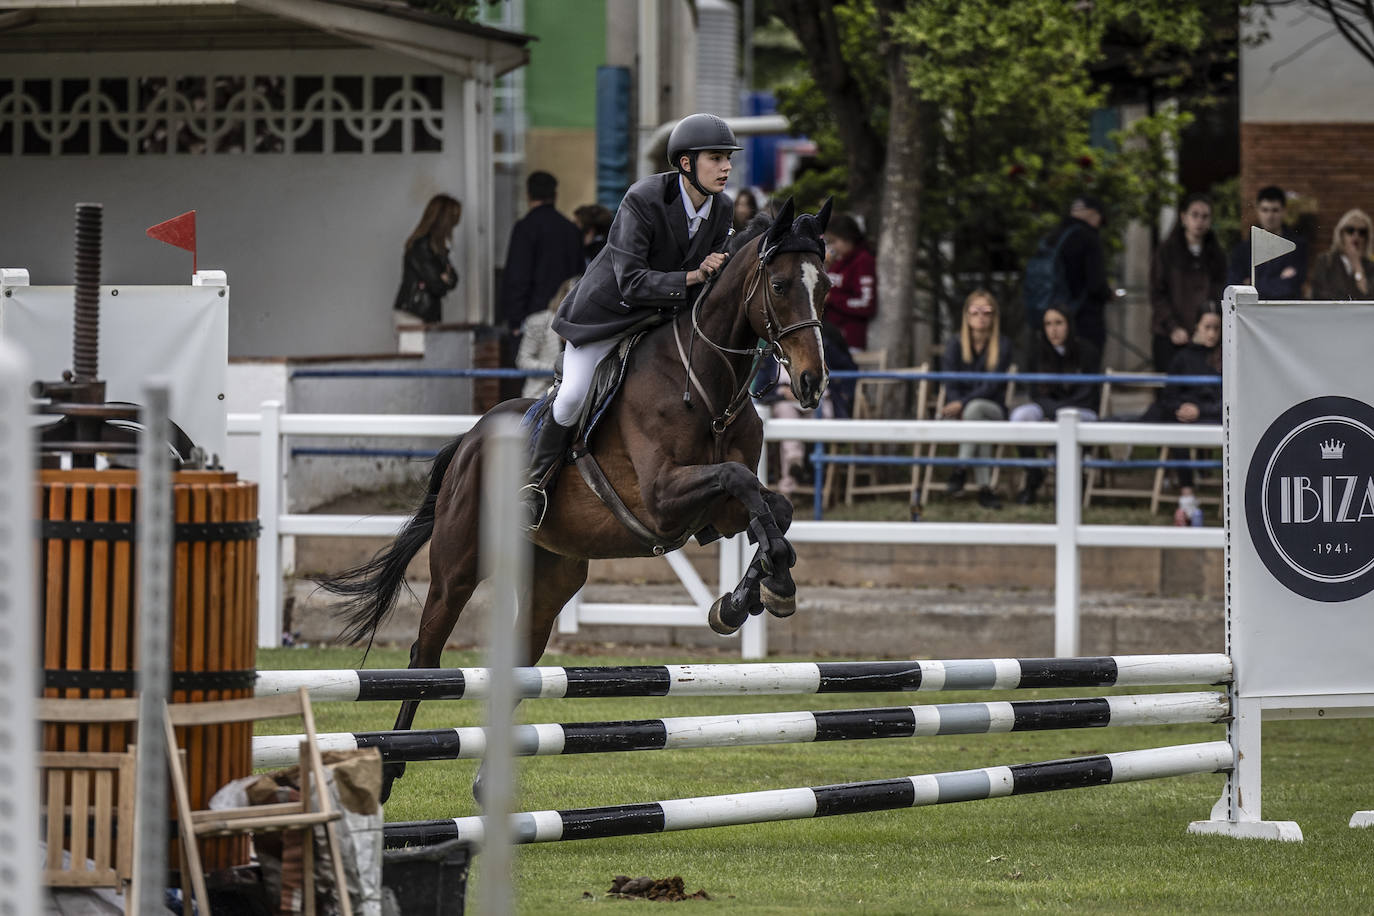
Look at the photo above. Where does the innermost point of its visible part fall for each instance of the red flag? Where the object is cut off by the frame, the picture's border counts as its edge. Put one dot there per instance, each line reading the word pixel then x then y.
pixel 179 231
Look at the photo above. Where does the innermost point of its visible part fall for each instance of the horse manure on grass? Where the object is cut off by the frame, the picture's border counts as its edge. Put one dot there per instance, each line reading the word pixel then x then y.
pixel 645 888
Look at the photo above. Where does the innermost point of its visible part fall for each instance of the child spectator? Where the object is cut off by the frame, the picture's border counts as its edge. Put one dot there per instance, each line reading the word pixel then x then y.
pixel 980 347
pixel 539 345
pixel 1057 351
pixel 853 298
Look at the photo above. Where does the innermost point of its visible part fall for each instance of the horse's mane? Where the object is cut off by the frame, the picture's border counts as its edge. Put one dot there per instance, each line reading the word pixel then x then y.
pixel 756 227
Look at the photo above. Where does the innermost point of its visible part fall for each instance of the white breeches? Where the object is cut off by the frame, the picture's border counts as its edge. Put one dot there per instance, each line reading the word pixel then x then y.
pixel 579 366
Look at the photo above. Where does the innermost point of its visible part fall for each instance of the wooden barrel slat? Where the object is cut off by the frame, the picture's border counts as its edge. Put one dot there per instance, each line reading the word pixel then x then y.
pixel 90 604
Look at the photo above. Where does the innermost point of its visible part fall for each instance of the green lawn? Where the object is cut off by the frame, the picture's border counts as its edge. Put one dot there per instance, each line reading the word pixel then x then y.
pixel 1107 849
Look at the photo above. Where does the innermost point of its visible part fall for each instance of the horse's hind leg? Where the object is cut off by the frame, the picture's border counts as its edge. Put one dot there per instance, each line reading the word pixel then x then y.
pixel 449 591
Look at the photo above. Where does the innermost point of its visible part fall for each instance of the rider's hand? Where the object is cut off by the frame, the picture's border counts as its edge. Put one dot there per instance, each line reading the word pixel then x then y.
pixel 711 264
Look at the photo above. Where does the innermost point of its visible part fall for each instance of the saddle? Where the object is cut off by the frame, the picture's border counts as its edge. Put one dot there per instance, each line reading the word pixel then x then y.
pixel 606 383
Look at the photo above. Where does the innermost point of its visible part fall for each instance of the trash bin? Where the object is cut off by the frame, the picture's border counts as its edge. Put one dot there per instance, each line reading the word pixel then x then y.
pixel 426 880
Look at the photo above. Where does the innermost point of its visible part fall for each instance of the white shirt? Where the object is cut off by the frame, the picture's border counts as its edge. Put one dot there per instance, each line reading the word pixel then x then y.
pixel 694 216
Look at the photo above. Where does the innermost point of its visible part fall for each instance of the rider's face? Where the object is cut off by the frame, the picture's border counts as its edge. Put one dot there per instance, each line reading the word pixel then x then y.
pixel 713 169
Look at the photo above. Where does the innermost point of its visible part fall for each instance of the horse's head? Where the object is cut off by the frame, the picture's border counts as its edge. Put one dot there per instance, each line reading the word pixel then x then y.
pixel 789 296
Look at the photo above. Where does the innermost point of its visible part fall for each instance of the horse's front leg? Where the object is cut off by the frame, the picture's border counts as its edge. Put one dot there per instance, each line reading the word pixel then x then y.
pixel 687 492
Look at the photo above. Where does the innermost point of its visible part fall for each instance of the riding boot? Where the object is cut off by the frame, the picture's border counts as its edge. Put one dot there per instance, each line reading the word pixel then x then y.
pixel 549 446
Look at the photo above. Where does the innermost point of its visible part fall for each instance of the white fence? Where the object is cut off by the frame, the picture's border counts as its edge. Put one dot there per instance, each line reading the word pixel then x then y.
pixel 1066 534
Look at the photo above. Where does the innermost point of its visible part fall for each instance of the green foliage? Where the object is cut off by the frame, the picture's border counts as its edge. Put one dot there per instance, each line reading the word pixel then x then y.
pixel 1009 94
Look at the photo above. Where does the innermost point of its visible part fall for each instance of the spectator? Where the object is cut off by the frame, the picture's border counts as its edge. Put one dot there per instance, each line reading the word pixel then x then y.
pixel 1283 277
pixel 539 345
pixel 426 273
pixel 980 347
pixel 837 402
pixel 595 222
pixel 1342 272
pixel 746 206
pixel 1058 351
pixel 1188 272
pixel 853 298
pixel 545 249
pixel 1192 403
pixel 1075 245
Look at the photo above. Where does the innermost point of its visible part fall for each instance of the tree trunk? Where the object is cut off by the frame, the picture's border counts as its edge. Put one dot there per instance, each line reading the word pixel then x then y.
pixel 895 327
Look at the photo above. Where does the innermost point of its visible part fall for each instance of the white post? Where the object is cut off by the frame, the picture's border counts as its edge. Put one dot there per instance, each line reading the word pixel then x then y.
pixel 1066 517
pixel 567 618
pixel 19 862
pixel 154 646
pixel 734 556
pixel 1237 813
pixel 505 559
pixel 269 512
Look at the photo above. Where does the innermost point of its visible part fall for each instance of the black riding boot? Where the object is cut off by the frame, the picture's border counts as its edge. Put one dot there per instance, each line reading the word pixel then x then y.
pixel 549 447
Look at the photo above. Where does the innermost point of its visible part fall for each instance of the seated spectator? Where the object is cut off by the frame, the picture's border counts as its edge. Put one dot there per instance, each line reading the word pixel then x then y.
pixel 853 298
pixel 539 344
pixel 1192 403
pixel 1187 273
pixel 595 221
pixel 1058 351
pixel 1283 277
pixel 980 347
pixel 837 402
pixel 746 206
pixel 1342 272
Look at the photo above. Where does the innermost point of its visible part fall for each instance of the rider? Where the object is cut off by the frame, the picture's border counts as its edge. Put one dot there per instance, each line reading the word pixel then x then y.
pixel 663 244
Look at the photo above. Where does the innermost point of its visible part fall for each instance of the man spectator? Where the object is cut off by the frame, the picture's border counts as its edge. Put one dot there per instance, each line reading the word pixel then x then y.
pixel 1283 277
pixel 545 249
pixel 1069 270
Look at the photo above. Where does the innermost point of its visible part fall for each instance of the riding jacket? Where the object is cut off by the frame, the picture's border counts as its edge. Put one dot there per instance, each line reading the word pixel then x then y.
pixel 643 269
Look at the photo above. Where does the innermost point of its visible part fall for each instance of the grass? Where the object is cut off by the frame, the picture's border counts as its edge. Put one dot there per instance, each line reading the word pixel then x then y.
pixel 1109 849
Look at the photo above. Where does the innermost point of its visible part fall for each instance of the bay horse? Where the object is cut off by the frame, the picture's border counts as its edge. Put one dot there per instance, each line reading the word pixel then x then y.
pixel 678 445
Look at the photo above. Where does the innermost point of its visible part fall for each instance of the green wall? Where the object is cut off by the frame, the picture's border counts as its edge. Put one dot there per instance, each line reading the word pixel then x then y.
pixel 560 81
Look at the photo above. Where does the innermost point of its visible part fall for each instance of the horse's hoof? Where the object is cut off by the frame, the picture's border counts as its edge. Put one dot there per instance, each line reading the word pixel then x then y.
pixel 724 617
pixel 777 605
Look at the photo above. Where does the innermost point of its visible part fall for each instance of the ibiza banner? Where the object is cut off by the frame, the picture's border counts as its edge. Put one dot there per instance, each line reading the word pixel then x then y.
pixel 1299 391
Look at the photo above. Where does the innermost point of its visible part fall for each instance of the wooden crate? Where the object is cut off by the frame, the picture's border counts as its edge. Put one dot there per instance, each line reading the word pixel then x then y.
pixel 88 565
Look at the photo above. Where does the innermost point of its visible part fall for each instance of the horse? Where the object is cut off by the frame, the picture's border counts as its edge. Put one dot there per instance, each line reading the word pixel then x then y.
pixel 676 447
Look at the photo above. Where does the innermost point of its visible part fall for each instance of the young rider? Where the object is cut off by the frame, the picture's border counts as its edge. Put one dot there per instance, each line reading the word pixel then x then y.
pixel 663 244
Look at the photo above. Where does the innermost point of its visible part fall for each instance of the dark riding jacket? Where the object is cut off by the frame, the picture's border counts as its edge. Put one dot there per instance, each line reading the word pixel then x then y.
pixel 643 269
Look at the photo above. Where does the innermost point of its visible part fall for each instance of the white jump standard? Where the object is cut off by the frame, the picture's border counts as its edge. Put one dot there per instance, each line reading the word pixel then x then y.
pixel 824 801
pixel 741 679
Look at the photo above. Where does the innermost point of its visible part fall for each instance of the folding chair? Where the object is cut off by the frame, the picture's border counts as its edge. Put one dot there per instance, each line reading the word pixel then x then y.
pixel 928 481
pixel 311 810
pixel 1103 482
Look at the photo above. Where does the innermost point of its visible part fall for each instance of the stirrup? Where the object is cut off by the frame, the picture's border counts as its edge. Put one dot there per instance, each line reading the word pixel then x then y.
pixel 536 504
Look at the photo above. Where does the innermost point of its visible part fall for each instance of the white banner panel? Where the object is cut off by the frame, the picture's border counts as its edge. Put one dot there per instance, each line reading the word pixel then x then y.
pixel 1299 427
pixel 181 332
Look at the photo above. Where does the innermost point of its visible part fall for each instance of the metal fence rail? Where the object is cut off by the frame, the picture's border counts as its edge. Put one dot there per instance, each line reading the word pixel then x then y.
pixel 1066 534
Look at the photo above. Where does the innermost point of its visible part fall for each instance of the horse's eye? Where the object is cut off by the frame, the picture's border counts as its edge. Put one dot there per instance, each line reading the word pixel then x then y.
pixel 778 286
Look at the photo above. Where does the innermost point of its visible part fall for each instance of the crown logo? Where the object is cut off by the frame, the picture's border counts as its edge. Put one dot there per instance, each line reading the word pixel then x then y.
pixel 1332 450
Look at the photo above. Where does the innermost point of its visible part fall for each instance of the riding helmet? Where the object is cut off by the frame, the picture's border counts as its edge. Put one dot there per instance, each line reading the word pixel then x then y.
pixel 699 132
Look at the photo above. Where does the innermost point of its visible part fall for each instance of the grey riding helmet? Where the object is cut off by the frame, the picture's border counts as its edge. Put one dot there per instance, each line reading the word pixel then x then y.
pixel 695 134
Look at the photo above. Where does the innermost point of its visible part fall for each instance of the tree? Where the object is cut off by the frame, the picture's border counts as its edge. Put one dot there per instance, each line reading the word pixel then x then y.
pixel 960 128
pixel 1354 19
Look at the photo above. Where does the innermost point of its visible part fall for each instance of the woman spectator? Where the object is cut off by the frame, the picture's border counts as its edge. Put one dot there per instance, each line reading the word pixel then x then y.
pixel 539 345
pixel 1057 351
pixel 746 206
pixel 980 347
pixel 853 298
pixel 1187 273
pixel 426 274
pixel 1342 272
pixel 1192 403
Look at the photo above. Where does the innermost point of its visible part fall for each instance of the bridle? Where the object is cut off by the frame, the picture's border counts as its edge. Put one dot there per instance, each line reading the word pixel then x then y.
pixel 768 345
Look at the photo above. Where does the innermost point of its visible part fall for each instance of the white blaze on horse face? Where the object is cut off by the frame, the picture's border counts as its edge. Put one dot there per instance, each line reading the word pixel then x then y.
pixel 811 278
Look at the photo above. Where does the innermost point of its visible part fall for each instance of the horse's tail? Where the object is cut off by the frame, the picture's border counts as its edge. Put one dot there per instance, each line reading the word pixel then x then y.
pixel 372 588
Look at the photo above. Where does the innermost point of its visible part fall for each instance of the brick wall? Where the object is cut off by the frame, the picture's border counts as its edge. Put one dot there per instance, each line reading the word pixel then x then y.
pixel 1332 163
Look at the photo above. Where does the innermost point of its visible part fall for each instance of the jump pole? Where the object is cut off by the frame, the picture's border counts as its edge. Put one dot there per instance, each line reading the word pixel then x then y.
pixel 470 743
pixel 756 679
pixel 824 801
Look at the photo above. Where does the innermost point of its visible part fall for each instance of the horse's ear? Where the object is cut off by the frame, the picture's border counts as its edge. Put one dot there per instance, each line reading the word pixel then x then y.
pixel 823 217
pixel 782 223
